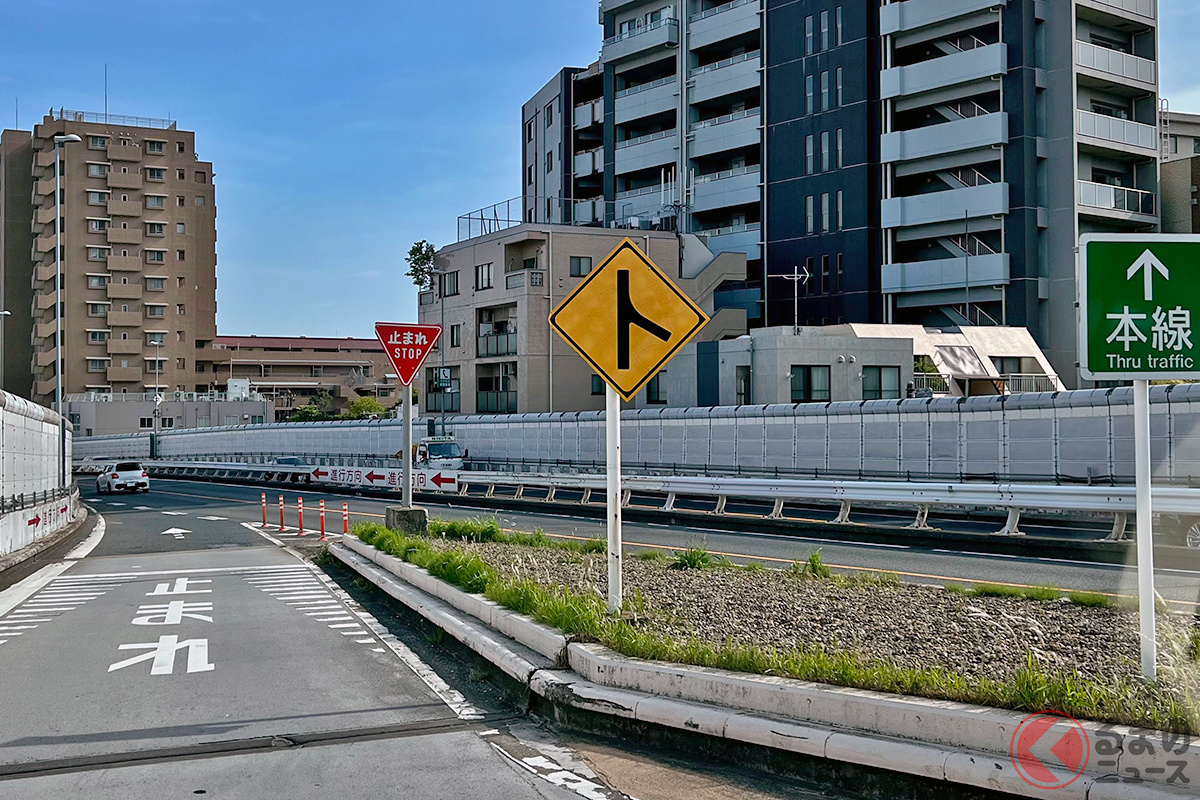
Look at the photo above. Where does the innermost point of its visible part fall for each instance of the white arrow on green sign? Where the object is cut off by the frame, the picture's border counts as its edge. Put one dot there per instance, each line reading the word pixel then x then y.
pixel 1138 295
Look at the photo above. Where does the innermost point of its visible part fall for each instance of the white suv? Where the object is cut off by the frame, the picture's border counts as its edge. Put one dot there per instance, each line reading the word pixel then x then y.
pixel 123 476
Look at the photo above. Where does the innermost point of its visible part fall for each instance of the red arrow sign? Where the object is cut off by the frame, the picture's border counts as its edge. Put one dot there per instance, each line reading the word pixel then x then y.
pixel 439 481
pixel 372 477
pixel 36 520
pixel 407 346
pixel 62 510
pixel 320 473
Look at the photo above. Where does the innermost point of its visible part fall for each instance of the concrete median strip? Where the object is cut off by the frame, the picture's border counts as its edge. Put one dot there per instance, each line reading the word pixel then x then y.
pixel 940 740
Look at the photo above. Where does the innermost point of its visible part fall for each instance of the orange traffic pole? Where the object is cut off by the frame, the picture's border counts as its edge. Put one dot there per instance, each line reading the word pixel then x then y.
pixel 300 509
pixel 346 518
pixel 322 520
pixel 281 528
pixel 264 509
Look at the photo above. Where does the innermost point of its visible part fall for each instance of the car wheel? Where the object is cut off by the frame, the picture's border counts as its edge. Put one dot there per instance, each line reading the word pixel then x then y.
pixel 1193 537
pixel 99 488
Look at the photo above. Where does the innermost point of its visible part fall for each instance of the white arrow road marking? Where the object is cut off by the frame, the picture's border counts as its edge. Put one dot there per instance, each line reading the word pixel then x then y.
pixel 213 519
pixel 178 533
pixel 1148 264
pixel 175 513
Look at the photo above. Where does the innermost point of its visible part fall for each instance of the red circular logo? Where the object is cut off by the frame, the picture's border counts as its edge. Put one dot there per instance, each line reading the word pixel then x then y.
pixel 1050 750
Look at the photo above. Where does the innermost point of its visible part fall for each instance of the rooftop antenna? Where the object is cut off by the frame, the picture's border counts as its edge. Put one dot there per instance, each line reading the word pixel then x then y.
pixel 106 92
pixel 17 113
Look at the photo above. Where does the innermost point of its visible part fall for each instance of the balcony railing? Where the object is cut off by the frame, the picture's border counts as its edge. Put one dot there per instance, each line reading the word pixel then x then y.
pixel 729 173
pixel 1143 8
pixel 496 344
pixel 649 137
pixel 639 192
pixel 752 226
pixel 1114 129
pixel 653 26
pixel 496 402
pixel 1117 198
pixel 708 123
pixel 645 87
pixel 1016 384
pixel 728 62
pixel 712 12
pixel 67 115
pixel 1114 62
pixel 931 382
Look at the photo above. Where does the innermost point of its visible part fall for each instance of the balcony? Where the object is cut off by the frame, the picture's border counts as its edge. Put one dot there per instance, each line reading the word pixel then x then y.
pixel 913 15
pixel 125 319
pixel 44 216
pixel 496 344
pixel 982 63
pixel 121 180
pixel 946 274
pixel 124 208
pixel 955 205
pixel 45 272
pixel 589 162
pixel 124 235
pixel 45 158
pixel 1122 134
pixel 124 374
pixel 1016 384
pixel 124 347
pixel 120 152
pixel 730 132
pixel 45 388
pixel 723 22
pixel 124 291
pixel 1140 10
pixel 639 202
pixel 1118 203
pixel 124 264
pixel 589 211
pixel 44 187
pixel 496 402
pixel 41 302
pixel 737 74
pixel 647 99
pixel 640 41
pixel 735 187
pixel 43 358
pixel 651 150
pixel 1106 64
pixel 43 244
pixel 589 114
pixel 986 130
pixel 735 239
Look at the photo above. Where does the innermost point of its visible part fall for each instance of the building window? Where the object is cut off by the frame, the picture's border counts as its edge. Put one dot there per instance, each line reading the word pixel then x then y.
pixel 838 217
pixel 456 335
pixel 180 310
pixel 156 256
pixel 550 162
pixel 597 385
pixel 838 81
pixel 97 365
pixel 201 177
pixel 180 227
pixel 837 276
pixel 808 36
pixel 656 392
pixel 97 337
pixel 824 30
pixel 825 274
pixel 881 383
pixel 97 309
pixel 155 201
pixel 810 217
pixel 155 229
pixel 742 387
pixel 529 176
pixel 810 146
pixel 97 143
pixel 180 255
pixel 808 94
pixel 580 266
pixel 825 212
pixel 154 146
pixel 810 384
pixel 825 165
pixel 179 147
pixel 449 285
pixel 97 170
pixel 156 284
pixel 549 115
pixel 97 198
pixel 837 25
pixel 317 372
pixel 179 201
pixel 156 174
pixel 97 254
pixel 146 423
pixel 156 311
pixel 825 90
pixel 156 338
pixel 529 263
pixel 838 147
pixel 168 422
pixel 181 363
pixel 536 279
pixel 256 419
pixel 485 277
pixel 97 225
pixel 529 131
pixel 199 199
pixel 97 281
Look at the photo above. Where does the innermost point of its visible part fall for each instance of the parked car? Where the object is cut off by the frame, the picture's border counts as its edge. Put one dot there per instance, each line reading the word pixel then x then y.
pixel 123 476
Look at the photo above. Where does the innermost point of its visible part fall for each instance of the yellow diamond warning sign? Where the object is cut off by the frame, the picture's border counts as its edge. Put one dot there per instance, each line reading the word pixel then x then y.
pixel 627 319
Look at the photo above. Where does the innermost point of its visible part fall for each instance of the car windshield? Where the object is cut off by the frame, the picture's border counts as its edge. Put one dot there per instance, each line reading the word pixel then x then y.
pixel 129 466
pixel 445 450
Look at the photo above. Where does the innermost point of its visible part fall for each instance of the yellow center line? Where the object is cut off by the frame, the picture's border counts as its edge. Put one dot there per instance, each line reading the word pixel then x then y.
pixel 674 548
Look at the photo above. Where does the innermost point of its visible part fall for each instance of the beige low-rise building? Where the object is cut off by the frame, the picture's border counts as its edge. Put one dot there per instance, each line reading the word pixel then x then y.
pixel 494 294
pixel 108 414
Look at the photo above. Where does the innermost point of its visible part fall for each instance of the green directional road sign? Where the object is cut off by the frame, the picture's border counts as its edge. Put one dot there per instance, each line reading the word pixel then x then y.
pixel 1138 295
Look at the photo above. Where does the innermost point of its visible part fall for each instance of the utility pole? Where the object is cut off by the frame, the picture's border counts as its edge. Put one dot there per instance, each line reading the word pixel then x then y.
pixel 797 278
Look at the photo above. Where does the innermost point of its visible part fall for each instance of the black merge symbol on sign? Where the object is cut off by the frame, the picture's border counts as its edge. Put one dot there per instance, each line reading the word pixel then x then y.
pixel 627 315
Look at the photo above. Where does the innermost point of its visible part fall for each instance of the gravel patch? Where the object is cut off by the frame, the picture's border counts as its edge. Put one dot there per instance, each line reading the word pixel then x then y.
pixel 908 625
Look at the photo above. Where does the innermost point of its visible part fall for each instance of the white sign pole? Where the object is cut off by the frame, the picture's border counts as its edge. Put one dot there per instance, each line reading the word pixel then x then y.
pixel 408 445
pixel 612 421
pixel 1145 528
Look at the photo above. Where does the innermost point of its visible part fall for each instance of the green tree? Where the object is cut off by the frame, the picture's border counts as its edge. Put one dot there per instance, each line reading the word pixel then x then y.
pixel 363 407
pixel 421 260
pixel 309 413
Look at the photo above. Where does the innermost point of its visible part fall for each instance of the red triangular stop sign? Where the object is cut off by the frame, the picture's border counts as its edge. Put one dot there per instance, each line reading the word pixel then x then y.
pixel 407 345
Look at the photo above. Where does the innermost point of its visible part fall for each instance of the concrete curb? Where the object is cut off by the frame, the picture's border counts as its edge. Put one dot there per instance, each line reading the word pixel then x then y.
pixel 932 739
pixel 80 518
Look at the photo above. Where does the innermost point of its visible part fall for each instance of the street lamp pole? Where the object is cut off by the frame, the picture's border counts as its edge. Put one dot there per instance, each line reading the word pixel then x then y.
pixel 59 355
pixel 157 381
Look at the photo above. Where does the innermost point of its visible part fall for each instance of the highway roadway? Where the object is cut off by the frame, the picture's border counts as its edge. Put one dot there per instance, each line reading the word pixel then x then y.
pixel 1180 587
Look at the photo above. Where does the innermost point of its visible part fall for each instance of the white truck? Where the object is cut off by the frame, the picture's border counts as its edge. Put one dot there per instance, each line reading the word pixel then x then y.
pixel 440 453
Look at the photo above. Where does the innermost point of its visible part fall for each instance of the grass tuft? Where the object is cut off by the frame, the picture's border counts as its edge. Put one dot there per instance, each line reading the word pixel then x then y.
pixel 694 558
pixel 651 555
pixel 813 567
pixel 1090 600
pixel 958 589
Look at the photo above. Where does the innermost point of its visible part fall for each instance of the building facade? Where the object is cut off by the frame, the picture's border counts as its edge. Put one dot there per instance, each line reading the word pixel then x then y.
pixel 494 295
pixel 108 414
pixel 137 249
pixel 911 161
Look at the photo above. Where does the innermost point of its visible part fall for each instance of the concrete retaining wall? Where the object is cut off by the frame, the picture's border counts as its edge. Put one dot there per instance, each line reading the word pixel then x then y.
pixel 29 447
pixel 20 529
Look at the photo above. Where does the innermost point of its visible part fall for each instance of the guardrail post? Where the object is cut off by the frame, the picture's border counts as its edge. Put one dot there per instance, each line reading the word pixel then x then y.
pixel 843 517
pixel 264 509
pixel 1120 527
pixel 463 488
pixel 322 520
pixel 587 497
pixel 670 504
pixel 520 492
pixel 300 511
pixel 922 521
pixel 550 495
pixel 491 490
pixel 1013 526
pixel 777 511
pixel 720 509
pixel 281 527
pixel 626 494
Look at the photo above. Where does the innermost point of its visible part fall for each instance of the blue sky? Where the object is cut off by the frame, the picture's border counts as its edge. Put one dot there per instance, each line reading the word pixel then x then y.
pixel 340 133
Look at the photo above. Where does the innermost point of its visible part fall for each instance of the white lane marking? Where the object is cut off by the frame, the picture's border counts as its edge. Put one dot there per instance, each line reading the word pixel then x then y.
pixel 263 534
pixel 175 513
pixel 45 609
pixel 157 572
pixel 9 630
pixel 142 508
pixel 364 641
pixel 18 593
pixel 347 625
pixel 213 519
pixel 114 503
pixel 358 631
pixel 84 548
pixel 373 649
pixel 14 618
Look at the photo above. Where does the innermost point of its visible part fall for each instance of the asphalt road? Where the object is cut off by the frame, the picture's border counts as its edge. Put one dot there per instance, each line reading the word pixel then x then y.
pixel 187 655
pixel 1180 587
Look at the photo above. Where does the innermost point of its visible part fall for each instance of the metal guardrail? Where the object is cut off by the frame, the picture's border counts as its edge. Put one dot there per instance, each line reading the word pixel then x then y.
pixel 20 502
